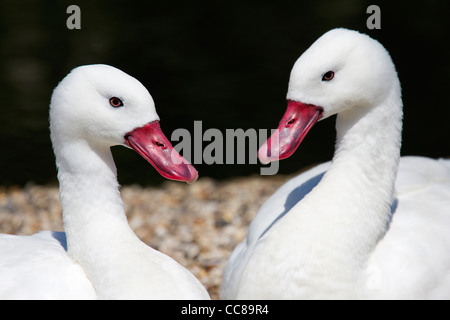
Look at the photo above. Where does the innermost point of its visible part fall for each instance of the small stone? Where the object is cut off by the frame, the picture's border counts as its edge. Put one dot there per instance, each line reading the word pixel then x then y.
pixel 198 225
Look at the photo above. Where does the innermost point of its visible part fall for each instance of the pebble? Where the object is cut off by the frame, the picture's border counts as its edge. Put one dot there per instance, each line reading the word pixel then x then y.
pixel 198 225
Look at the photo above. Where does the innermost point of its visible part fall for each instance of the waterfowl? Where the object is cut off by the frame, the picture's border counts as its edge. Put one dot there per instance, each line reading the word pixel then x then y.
pixel 98 256
pixel 367 225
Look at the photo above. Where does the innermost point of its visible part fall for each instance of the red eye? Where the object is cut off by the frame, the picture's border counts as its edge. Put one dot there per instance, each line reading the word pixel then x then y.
pixel 115 102
pixel 327 76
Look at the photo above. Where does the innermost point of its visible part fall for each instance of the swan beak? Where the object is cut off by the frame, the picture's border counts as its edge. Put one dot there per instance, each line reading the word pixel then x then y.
pixel 151 143
pixel 295 124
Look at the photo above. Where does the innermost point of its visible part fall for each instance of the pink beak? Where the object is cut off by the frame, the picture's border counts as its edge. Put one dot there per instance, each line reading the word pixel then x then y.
pixel 151 143
pixel 295 124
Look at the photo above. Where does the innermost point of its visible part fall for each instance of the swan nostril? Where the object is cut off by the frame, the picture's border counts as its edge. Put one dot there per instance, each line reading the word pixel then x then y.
pixel 290 122
pixel 159 144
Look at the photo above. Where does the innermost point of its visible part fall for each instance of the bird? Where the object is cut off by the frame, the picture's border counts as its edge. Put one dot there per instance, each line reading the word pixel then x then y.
pixel 369 224
pixel 98 256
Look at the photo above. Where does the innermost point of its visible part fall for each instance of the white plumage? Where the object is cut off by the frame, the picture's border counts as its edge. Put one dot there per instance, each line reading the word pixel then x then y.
pixel 98 256
pixel 352 227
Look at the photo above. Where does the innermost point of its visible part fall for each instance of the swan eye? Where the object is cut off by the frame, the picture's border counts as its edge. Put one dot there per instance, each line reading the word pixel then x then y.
pixel 327 76
pixel 115 102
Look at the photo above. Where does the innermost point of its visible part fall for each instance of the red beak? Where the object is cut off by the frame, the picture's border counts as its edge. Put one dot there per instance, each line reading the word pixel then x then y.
pixel 151 143
pixel 295 124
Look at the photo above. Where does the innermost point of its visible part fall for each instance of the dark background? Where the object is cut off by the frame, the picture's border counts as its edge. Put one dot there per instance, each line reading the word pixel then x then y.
pixel 224 63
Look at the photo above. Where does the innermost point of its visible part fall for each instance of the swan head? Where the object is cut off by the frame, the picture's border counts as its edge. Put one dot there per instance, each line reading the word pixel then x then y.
pixel 342 70
pixel 103 106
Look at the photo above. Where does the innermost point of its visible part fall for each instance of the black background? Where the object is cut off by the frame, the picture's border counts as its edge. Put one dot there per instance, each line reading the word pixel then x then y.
pixel 225 63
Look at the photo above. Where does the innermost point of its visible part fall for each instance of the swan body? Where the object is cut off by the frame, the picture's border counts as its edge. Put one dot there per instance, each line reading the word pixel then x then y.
pixel 98 256
pixel 366 225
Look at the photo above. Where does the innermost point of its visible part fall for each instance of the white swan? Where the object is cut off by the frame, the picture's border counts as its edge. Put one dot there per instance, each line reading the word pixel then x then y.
pixel 92 109
pixel 358 232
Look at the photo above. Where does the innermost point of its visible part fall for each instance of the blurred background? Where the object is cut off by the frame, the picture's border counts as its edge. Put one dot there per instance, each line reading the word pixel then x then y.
pixel 224 63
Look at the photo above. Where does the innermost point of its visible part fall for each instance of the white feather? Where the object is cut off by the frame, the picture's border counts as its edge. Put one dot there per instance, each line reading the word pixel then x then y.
pixel 352 227
pixel 99 256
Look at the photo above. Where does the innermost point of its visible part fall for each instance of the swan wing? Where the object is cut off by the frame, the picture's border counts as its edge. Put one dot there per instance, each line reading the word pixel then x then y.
pixel 38 267
pixel 412 260
pixel 270 212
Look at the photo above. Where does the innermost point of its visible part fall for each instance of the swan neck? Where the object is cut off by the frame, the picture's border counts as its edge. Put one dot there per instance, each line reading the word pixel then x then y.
pixel 88 185
pixel 368 142
pixel 97 231
pixel 363 171
pixel 341 221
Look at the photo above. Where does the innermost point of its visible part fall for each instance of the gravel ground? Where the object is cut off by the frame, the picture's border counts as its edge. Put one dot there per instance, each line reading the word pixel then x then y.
pixel 198 225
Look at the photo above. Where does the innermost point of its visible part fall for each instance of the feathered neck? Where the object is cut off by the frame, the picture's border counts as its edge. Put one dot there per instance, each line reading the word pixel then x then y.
pixel 339 223
pixel 97 231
